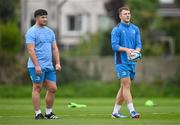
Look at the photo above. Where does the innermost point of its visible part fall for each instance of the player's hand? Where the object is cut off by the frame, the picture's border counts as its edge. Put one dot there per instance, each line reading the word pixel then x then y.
pixel 58 67
pixel 138 49
pixel 38 70
pixel 129 51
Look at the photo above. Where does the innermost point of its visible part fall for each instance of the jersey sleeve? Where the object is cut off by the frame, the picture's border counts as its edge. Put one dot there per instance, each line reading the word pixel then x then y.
pixel 30 36
pixel 115 38
pixel 53 37
pixel 138 39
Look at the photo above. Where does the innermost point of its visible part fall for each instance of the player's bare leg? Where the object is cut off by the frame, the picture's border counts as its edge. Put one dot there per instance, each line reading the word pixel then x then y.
pixel 36 96
pixel 126 84
pixel 119 97
pixel 50 95
pixel 36 90
pixel 118 103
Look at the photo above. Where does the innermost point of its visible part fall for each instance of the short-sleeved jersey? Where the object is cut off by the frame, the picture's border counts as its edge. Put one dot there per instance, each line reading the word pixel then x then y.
pixel 124 35
pixel 42 38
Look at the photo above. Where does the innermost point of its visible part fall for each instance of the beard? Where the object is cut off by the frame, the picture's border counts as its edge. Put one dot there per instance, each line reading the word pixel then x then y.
pixel 43 23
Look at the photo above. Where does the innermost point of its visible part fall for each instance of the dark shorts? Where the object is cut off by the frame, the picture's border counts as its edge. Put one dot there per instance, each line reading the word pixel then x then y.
pixel 47 74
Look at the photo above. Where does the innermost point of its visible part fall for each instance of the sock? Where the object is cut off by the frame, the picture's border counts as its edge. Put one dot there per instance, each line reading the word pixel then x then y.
pixel 116 108
pixel 37 112
pixel 48 110
pixel 130 107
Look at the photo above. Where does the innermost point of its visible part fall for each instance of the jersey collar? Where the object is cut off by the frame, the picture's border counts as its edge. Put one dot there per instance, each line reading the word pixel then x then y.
pixel 125 24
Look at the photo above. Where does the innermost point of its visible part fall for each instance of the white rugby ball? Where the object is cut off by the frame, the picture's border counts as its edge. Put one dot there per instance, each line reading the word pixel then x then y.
pixel 135 56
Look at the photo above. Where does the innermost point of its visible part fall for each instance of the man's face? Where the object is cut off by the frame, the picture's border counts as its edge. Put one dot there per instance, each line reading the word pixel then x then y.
pixel 125 16
pixel 41 20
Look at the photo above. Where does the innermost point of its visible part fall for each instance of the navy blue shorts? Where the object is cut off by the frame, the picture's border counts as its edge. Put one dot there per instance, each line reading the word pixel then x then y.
pixel 47 74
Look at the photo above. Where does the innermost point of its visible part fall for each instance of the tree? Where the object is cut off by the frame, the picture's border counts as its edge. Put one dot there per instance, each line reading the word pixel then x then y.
pixel 177 2
pixel 10 37
pixel 10 41
pixel 7 10
pixel 112 7
pixel 143 12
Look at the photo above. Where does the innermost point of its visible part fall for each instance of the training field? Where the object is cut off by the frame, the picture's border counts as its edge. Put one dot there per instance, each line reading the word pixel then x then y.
pixel 97 112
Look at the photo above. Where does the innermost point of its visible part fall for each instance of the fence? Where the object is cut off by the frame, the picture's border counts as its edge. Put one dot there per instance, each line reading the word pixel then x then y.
pixel 148 69
pixel 102 68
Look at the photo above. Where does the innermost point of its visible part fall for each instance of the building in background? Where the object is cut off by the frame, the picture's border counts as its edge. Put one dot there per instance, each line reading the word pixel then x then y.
pixel 71 19
pixel 169 9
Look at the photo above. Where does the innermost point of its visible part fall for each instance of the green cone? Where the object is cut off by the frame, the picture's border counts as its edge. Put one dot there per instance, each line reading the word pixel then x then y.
pixel 149 103
pixel 75 105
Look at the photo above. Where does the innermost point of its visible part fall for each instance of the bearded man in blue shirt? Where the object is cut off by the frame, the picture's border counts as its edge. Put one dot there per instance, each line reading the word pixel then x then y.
pixel 41 46
pixel 125 38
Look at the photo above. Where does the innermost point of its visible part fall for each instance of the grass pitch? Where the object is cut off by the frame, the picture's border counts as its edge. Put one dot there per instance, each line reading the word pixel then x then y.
pixel 98 112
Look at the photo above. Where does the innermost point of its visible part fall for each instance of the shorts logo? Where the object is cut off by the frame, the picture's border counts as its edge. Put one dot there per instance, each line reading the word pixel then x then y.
pixel 37 78
pixel 123 73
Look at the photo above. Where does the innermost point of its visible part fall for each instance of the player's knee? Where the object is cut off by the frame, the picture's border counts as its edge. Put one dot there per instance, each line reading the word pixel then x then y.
pixel 126 85
pixel 53 89
pixel 37 89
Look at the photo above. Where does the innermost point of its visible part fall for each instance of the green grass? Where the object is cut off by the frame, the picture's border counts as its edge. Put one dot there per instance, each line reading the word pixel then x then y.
pixel 20 111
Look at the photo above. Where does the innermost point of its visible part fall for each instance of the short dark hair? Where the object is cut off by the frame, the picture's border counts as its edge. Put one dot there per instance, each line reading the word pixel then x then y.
pixel 123 8
pixel 40 12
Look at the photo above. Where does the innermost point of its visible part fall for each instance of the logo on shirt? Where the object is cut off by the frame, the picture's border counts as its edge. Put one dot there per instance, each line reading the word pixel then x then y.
pixel 133 31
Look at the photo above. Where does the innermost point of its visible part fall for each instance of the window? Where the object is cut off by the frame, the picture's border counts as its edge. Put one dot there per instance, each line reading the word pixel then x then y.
pixel 74 22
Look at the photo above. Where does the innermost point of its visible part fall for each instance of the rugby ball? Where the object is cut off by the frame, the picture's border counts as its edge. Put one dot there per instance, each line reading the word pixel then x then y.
pixel 134 56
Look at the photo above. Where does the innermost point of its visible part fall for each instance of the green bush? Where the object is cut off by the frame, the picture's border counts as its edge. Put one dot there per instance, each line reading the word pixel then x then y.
pixel 105 47
pixel 169 27
pixel 87 47
pixel 7 10
pixel 95 89
pixel 70 73
pixel 98 44
pixel 177 2
pixel 10 38
pixel 151 49
pixel 143 12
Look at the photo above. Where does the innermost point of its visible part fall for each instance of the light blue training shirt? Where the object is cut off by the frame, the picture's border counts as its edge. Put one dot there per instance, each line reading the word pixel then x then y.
pixel 42 38
pixel 124 35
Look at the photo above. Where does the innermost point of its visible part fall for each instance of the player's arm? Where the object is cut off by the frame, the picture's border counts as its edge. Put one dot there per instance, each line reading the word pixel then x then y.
pixel 127 50
pixel 138 40
pixel 115 38
pixel 56 56
pixel 123 49
pixel 32 54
